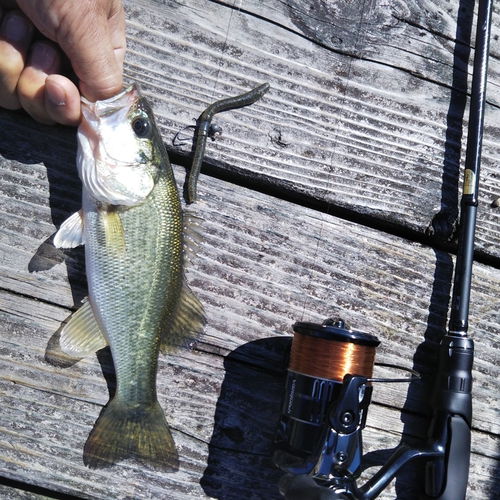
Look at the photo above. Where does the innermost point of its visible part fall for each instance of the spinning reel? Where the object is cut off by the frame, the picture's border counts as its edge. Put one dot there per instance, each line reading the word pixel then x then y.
pixel 327 395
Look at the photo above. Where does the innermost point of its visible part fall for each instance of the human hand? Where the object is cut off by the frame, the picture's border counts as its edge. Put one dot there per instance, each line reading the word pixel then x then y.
pixel 91 33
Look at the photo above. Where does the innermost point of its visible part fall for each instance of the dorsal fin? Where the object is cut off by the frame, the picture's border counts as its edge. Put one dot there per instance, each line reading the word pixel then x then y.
pixel 186 322
pixel 193 236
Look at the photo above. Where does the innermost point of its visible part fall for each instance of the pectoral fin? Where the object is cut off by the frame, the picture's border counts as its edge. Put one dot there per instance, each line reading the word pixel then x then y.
pixel 113 227
pixel 82 335
pixel 70 234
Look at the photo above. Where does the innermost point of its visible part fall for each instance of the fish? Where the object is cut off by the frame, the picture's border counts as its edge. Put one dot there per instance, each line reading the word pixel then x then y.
pixel 137 239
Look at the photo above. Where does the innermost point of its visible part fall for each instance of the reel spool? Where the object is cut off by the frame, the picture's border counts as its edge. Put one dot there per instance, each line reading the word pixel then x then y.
pixel 329 351
pixel 326 398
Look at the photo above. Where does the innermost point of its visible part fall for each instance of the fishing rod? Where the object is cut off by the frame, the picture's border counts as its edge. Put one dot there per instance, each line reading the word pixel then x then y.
pixel 329 383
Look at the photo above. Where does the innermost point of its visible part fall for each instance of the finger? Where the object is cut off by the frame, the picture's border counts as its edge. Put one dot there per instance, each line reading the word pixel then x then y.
pixel 16 33
pixel 62 100
pixel 44 60
pixel 91 33
pixel 116 24
pixel 91 48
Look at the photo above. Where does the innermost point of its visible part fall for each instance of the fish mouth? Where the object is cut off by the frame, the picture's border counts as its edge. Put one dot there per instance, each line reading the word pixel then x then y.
pixel 118 105
pixel 110 174
pixel 125 98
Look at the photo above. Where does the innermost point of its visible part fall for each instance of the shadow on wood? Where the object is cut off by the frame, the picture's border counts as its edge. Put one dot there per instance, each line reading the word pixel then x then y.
pixel 425 363
pixel 246 417
pixel 444 223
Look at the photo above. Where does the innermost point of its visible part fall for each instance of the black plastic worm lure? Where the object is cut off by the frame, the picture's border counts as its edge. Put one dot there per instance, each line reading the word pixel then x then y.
pixel 203 126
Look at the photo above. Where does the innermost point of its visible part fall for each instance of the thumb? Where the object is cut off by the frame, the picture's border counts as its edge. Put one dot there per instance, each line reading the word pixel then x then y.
pixel 92 35
pixel 95 46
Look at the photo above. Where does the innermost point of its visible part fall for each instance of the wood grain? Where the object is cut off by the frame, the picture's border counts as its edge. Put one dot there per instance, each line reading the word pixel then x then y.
pixel 264 264
pixel 376 139
pixel 335 176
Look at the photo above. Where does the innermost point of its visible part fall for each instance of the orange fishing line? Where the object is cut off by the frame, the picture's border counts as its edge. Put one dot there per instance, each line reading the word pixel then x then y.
pixel 330 359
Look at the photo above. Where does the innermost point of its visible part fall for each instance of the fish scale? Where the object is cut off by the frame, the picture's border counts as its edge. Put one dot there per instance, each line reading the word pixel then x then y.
pixel 146 280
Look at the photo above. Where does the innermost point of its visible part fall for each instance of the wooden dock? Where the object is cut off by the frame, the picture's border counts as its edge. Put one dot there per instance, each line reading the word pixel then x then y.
pixel 335 195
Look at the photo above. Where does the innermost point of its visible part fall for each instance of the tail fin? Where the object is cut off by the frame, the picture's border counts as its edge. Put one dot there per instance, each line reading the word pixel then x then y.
pixel 139 433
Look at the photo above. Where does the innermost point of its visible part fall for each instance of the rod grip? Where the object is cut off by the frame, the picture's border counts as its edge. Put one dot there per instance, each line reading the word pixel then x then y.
pixel 304 487
pixel 446 477
pixel 453 390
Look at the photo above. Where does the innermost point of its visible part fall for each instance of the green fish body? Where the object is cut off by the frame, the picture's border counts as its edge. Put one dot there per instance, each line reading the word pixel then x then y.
pixel 139 303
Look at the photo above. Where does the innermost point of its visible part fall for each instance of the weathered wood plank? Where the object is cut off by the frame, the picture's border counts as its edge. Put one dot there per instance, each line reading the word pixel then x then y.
pixel 415 37
pixel 265 263
pixel 356 129
pixel 377 134
pixel 13 493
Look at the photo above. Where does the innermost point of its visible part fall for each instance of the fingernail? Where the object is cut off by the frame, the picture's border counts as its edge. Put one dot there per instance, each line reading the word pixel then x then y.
pixel 15 27
pixel 42 57
pixel 55 94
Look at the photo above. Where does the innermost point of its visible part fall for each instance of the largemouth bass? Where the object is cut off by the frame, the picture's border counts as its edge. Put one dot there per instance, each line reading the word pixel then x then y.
pixel 134 233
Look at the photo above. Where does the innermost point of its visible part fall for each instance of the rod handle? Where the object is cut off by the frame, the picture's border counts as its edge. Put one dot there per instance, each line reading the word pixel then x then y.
pixel 446 478
pixel 304 487
pixel 453 389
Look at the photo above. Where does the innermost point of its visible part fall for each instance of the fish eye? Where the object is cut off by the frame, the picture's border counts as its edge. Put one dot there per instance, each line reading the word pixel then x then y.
pixel 141 126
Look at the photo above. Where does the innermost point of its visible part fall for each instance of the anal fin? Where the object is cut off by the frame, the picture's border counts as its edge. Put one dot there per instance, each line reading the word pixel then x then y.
pixel 82 335
pixel 186 322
